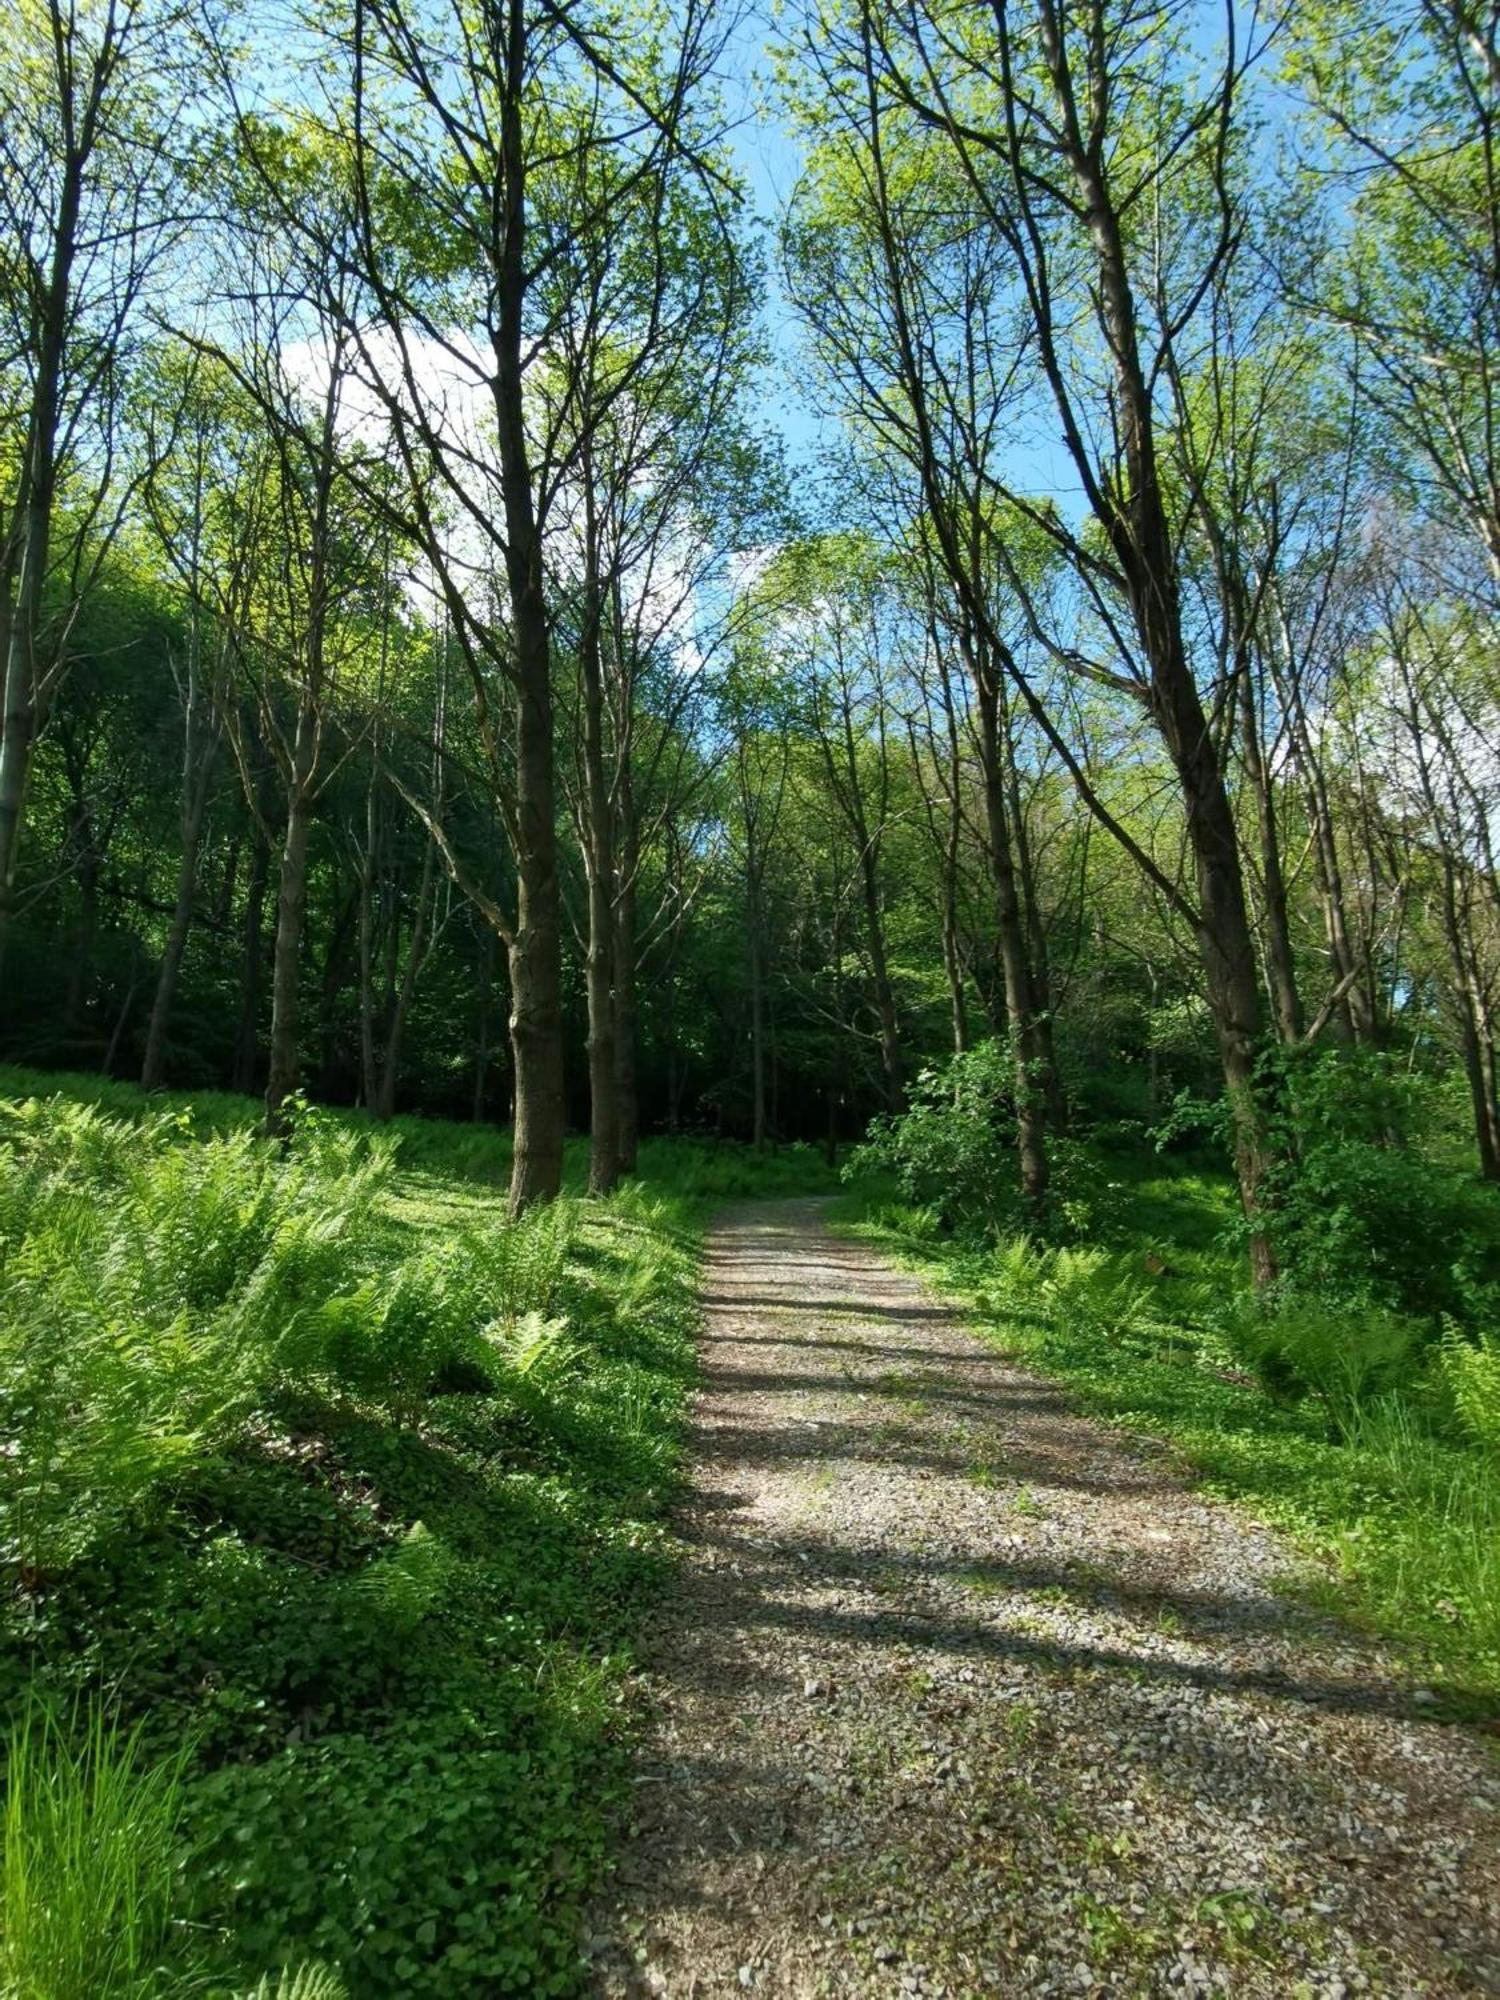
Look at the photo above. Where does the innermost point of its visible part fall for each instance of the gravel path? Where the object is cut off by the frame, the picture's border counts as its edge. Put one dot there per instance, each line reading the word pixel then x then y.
pixel 959 1693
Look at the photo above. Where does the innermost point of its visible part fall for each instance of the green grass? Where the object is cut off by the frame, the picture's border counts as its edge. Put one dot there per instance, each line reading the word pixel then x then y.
pixel 315 1463
pixel 1396 1492
pixel 90 1859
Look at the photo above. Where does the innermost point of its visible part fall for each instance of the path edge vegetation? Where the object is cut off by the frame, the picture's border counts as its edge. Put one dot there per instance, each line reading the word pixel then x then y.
pixel 1363 1533
pixel 341 1500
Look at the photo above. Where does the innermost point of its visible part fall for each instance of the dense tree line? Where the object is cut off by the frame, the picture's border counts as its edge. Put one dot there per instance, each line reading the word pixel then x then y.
pixel 425 687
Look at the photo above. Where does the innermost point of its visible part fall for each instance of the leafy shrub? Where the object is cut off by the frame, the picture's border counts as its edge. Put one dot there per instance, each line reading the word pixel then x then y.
pixel 90 1859
pixel 306 1982
pixel 392 1619
pixel 953 1153
pixel 1091 1288
pixel 953 1150
pixel 1363 1204
pixel 151 1291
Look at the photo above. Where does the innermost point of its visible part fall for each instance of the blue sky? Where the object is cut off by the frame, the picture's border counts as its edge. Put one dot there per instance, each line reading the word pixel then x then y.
pixel 770 162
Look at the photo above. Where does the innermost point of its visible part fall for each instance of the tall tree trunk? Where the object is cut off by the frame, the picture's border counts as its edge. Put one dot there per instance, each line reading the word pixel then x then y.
pixel 416 955
pixel 87 865
pixel 1281 968
pixel 369 1075
pixel 757 1034
pixel 885 996
pixel 599 871
pixel 1037 952
pixel 953 971
pixel 536 947
pixel 486 982
pixel 1473 1025
pixel 31 537
pixel 1225 944
pixel 627 1082
pixel 535 954
pixel 197 774
pixel 1143 545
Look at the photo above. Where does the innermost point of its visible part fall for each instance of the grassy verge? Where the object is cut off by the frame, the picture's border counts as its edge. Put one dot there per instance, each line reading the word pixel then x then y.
pixel 339 1498
pixel 1401 1509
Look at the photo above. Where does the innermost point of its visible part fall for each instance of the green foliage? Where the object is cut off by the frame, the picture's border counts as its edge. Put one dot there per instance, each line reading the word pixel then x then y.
pixel 151 1292
pixel 953 1153
pixel 91 1845
pixel 306 1982
pixel 724 1170
pixel 1364 1204
pixel 1470 1373
pixel 1345 1354
pixel 953 1149
pixel 338 1475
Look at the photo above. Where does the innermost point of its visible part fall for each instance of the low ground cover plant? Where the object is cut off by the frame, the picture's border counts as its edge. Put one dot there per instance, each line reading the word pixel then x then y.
pixel 329 1507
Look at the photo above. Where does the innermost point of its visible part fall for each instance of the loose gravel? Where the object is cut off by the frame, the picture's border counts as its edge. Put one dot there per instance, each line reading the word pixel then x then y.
pixel 959 1693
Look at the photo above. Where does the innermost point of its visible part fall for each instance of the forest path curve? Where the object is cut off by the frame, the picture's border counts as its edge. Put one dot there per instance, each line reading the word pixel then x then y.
pixel 957 1692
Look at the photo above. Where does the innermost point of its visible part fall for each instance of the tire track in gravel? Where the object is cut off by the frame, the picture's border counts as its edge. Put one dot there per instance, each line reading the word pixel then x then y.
pixel 959 1693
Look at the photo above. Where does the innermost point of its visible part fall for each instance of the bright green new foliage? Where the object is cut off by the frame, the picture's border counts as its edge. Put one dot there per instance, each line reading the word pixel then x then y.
pixel 327 1470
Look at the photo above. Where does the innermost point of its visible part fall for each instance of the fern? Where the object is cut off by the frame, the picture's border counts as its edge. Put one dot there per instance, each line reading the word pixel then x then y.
pixel 305 1982
pixel 1471 1375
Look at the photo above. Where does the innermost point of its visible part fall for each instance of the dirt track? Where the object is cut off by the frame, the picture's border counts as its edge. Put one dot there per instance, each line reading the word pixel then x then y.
pixel 957 1692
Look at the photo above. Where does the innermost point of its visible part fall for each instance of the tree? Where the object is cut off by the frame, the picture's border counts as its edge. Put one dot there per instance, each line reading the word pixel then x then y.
pixel 90 204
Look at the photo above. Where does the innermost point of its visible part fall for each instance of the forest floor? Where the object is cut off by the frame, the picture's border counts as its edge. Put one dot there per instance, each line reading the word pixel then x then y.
pixel 957 1692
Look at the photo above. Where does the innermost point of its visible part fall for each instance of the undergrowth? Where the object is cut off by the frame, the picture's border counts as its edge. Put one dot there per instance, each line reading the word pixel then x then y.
pixel 332 1502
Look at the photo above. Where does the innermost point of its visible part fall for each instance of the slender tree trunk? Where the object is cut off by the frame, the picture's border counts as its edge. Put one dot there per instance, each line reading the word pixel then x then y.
pixel 198 744
pixel 535 956
pixel 291 914
pixel 1281 968
pixel 885 997
pixel 486 985
pixel 86 871
pixel 252 964
pixel 757 1033
pixel 1478 1056
pixel 153 1062
pixel 1143 544
pixel 599 870
pixel 1020 1008
pixel 627 1083
pixel 416 955
pixel 953 971
pixel 369 1076
pixel 32 537
pixel 1038 957
pixel 1225 943
pixel 536 947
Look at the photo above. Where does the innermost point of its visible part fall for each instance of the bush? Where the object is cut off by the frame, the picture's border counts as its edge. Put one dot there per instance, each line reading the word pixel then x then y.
pixel 1470 1373
pixel 362 1504
pixel 151 1291
pixel 953 1154
pixel 953 1150
pixel 1364 1205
